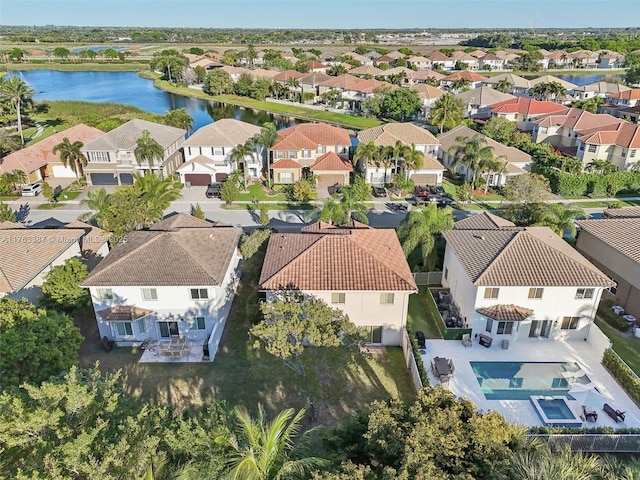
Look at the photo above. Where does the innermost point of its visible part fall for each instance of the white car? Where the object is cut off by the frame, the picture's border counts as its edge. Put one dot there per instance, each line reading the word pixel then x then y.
pixel 31 190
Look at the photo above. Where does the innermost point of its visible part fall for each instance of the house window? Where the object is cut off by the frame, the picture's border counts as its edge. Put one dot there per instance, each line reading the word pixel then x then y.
pixel 293 154
pixel 99 157
pixel 280 154
pixel 543 130
pixel 149 294
pixel 505 328
pixel 536 292
pixel 320 149
pixel 141 325
pixel 491 292
pixel 104 294
pixel 387 298
pixel 199 293
pixel 374 334
pixel 217 151
pixel 570 323
pixel 286 177
pixel 197 323
pixel 337 297
pixel 584 293
pixel 123 329
pixel 632 153
pixel 489 326
pixel 592 148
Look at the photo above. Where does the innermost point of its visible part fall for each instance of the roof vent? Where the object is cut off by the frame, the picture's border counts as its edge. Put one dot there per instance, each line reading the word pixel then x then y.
pixel 479 237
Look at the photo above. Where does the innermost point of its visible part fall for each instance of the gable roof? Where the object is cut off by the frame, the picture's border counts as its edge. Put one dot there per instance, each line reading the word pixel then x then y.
pixel 310 135
pixel 187 256
pixel 179 220
pixel 513 79
pixel 625 212
pixel 471 76
pixel 40 154
pixel 285 163
pixel 93 238
pixel 358 258
pixel 603 87
pixel 224 132
pixel 425 74
pixel 314 78
pixel 287 74
pixel 366 70
pixel 505 313
pixel 527 106
pixel 619 233
pixel 483 221
pixel 629 94
pixel 345 81
pixel 427 91
pixel 125 137
pixel 578 120
pixel 389 133
pixel 314 65
pixel 26 252
pixel 532 256
pixel 330 161
pixel 551 78
pixel 483 96
pixel 624 134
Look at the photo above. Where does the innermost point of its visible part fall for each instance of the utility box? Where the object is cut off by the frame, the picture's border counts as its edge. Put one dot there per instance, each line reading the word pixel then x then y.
pixel 505 344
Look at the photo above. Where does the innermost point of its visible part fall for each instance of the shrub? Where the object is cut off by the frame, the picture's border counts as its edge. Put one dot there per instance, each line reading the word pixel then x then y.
pixel 250 244
pixel 616 321
pixel 302 191
pixel 229 191
pixel 263 214
pixel 418 359
pixel 623 374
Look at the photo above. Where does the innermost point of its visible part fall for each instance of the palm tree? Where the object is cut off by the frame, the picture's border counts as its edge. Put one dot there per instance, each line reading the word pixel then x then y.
pixel 601 166
pixel 461 85
pixel 98 201
pixel 71 155
pixel 18 94
pixel 148 150
pixel 179 118
pixel 557 91
pixel 489 166
pixel 264 141
pixel 413 159
pixel 264 450
pixel 292 82
pixel 504 86
pixel 8 141
pixel 365 151
pixel 560 218
pixel 13 179
pixel 396 151
pixel 337 211
pixel 158 192
pixel 239 155
pixel 420 227
pixel 471 152
pixel 447 112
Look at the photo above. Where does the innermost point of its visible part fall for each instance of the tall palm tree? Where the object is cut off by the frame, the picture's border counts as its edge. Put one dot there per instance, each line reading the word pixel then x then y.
pixel 264 450
pixel 413 159
pixel 447 112
pixel 396 152
pixel 148 150
pixel 13 179
pixel 365 151
pixel 292 82
pixel 490 166
pixel 158 192
pixel 471 152
pixel 71 155
pixel 557 91
pixel 18 94
pixel 461 85
pixel 264 141
pixel 421 226
pixel 238 155
pixel 560 218
pixel 179 118
pixel 98 202
pixel 504 86
pixel 601 166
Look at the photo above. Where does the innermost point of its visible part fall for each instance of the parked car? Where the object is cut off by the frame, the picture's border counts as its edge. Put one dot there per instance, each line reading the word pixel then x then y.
pixel 213 190
pixel 437 190
pixel 378 192
pixel 32 190
pixel 440 200
pixel 422 191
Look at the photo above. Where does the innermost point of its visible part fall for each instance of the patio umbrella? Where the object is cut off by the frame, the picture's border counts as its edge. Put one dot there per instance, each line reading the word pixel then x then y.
pixel 588 396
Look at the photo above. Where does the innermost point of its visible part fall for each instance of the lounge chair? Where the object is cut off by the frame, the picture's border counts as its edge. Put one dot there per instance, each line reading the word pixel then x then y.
pixel 617 415
pixel 466 340
pixel 589 415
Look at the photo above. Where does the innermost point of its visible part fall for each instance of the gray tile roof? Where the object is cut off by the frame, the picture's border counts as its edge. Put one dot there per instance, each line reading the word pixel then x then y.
pixel 483 96
pixel 626 212
pixel 619 233
pixel 222 133
pixel 533 256
pixel 389 133
pixel 483 221
pixel 125 137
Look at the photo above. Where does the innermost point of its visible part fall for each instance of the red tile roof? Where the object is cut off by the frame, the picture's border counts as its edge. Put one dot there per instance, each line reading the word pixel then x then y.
pixel 527 106
pixel 626 135
pixel 579 120
pixel 287 74
pixel 345 81
pixel 633 94
pixel 330 161
pixel 285 163
pixel 310 135
pixel 312 65
pixel 471 76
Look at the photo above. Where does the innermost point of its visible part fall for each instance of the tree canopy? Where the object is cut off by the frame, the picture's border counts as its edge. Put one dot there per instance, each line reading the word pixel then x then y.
pixel 61 288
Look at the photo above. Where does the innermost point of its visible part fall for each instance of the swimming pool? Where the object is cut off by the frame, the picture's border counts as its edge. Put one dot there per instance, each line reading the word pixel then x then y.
pixel 520 380
pixel 554 412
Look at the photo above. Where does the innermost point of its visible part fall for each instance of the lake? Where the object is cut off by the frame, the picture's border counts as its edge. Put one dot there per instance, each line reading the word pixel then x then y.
pixel 130 89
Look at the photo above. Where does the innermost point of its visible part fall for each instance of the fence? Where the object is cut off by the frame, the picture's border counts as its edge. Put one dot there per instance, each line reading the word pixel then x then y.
pixel 428 278
pixel 410 360
pixel 594 442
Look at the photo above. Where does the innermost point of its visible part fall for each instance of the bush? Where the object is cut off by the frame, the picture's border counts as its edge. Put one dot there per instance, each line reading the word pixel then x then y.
pixel 418 358
pixel 250 244
pixel 230 191
pixel 302 191
pixel 581 184
pixel 616 321
pixel 263 214
pixel 623 374
pixel 61 288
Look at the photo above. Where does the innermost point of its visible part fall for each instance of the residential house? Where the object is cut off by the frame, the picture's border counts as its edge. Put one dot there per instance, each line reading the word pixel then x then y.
pixel 419 62
pixel 492 62
pixel 316 67
pixel 519 85
pixel 235 72
pixel 357 269
pixel 477 101
pixel 357 93
pixel 261 73
pixel 428 94
pixel 439 58
pixel 611 60
pixel 175 280
pixel 310 83
pixel 366 71
pixel 612 244
pixel 300 146
pixel 284 77
pixel 206 152
pixel 557 59
pixel 204 62
pixel 403 71
pixel 39 162
pixel 475 80
pixel 623 98
pixel 584 59
pixel 424 76
pixel 524 111
pixel 365 61
pixel 29 254
pixel 471 62
pixel 111 157
pixel 408 134
pixel 620 144
pixel 515 161
pixel 331 170
pixel 598 89
pixel 570 87
pixel 509 284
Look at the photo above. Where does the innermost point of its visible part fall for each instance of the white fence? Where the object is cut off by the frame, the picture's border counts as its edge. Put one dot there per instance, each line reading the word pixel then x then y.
pixel 410 360
pixel 594 443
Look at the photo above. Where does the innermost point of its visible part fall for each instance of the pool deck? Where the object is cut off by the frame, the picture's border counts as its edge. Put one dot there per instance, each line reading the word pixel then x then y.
pixel 464 382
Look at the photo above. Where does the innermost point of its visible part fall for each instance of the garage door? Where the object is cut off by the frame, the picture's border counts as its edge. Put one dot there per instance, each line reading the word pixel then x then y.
pixel 425 179
pixel 103 179
pixel 330 180
pixel 126 179
pixel 198 179
pixel 221 177
pixel 60 171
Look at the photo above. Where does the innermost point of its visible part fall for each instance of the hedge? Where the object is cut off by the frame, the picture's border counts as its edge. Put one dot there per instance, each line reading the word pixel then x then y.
pixel 616 321
pixel 580 430
pixel 418 359
pixel 567 184
pixel 623 374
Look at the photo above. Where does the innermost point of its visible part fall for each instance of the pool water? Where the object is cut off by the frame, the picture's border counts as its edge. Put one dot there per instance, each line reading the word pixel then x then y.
pixel 520 380
pixel 555 409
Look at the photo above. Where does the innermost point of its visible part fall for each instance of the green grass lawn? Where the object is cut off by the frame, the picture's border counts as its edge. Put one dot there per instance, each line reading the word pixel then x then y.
pixel 625 346
pixel 9 198
pixel 243 375
pixel 423 314
pixel 258 192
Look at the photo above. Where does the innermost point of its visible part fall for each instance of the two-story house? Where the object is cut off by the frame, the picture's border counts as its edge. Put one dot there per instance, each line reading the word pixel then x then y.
pixel 475 80
pixel 360 270
pixel 518 86
pixel 523 111
pixel 476 101
pixel 298 147
pixel 598 89
pixel 620 144
pixel 408 134
pixel 511 283
pixel 175 280
pixel 206 152
pixel 111 157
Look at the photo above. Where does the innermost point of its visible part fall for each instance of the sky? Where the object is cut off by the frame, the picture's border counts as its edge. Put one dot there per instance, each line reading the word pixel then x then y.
pixel 338 14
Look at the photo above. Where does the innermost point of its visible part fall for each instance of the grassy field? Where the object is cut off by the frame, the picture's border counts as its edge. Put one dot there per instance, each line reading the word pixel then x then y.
pixel 241 374
pixel 422 314
pixel 78 67
pixel 624 345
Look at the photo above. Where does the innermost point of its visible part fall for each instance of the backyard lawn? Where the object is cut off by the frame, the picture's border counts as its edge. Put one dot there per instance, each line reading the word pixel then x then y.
pixel 423 314
pixel 624 345
pixel 242 375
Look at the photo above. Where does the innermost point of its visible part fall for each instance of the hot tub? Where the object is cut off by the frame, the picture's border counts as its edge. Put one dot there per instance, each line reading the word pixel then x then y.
pixel 555 411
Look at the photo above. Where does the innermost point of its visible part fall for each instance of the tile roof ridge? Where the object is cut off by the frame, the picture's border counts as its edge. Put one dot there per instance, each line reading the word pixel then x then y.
pixel 501 253
pixel 179 245
pixel 290 264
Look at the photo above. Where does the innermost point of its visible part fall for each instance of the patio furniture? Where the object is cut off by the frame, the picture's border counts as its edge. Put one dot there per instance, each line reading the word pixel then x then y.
pixel 466 340
pixel 443 366
pixel 617 415
pixel 485 340
pixel 588 414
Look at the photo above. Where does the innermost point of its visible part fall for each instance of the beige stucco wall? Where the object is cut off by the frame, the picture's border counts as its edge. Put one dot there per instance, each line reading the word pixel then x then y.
pixel 276 174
